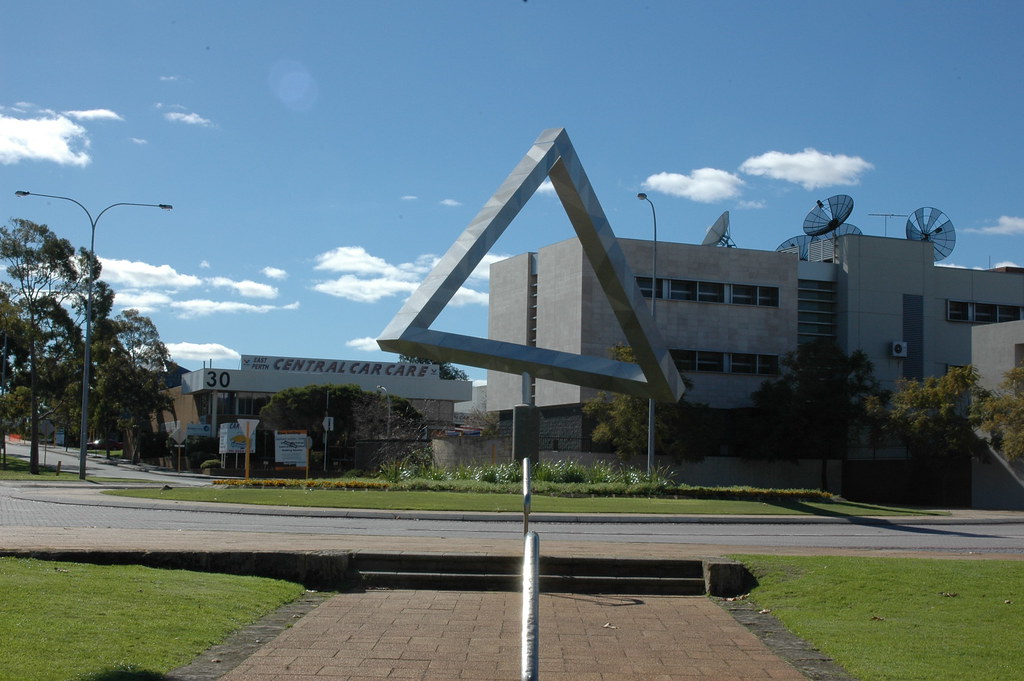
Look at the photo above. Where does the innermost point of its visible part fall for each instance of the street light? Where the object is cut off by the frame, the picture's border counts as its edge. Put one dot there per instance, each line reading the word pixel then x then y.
pixel 88 309
pixel 387 396
pixel 654 297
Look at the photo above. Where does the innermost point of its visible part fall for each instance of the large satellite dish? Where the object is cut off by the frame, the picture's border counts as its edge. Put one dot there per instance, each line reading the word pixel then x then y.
pixel 932 225
pixel 718 233
pixel 826 217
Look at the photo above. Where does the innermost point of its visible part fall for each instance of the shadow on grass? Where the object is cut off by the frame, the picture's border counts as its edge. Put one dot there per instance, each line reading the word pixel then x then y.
pixel 122 674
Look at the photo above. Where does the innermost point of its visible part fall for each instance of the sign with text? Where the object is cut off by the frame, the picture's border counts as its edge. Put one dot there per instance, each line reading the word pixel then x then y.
pixel 290 447
pixel 232 439
pixel 338 367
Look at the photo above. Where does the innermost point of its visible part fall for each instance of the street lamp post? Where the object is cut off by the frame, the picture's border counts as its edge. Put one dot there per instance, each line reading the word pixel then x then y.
pixel 654 298
pixel 387 397
pixel 83 436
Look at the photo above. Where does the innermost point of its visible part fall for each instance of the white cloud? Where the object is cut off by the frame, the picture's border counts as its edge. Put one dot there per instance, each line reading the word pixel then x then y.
pixel 189 118
pixel 450 202
pixel 365 344
pixel 169 78
pixel 200 351
pixel 752 205
pixel 189 309
pixel 135 274
pixel 205 264
pixel 138 140
pixel 366 278
pixel 705 185
pixel 249 289
pixel 364 290
pixel 1005 263
pixel 409 197
pixel 94 115
pixel 47 138
pixel 465 296
pixel 546 187
pixel 810 168
pixel 274 273
pixel 356 260
pixel 145 302
pixel 1006 225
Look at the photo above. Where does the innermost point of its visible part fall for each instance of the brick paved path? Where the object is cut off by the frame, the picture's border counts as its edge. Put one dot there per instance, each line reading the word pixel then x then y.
pixel 444 635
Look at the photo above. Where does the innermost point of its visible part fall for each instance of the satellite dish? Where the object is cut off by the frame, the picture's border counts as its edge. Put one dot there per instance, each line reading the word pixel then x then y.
pixel 932 225
pixel 798 244
pixel 718 233
pixel 827 217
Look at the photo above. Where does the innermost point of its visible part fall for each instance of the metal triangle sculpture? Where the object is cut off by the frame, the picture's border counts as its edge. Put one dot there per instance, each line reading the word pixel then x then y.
pixel 552 156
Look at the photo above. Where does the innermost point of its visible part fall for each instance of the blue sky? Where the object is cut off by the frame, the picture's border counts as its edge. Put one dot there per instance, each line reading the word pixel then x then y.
pixel 321 154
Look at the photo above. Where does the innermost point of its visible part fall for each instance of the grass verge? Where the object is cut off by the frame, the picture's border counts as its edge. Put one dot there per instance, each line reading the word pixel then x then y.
pixel 73 621
pixel 482 502
pixel 889 619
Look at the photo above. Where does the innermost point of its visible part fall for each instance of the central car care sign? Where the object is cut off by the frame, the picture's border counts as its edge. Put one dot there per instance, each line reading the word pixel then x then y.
pixel 338 367
pixel 290 447
pixel 232 439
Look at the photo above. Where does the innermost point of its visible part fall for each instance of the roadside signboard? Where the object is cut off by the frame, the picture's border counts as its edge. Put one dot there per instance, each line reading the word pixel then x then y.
pixel 290 447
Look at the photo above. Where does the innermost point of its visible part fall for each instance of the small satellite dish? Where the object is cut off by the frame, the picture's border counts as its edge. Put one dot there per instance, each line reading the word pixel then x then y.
pixel 827 217
pixel 798 244
pixel 718 233
pixel 932 225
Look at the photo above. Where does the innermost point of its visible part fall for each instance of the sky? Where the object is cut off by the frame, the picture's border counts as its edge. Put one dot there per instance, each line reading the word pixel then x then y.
pixel 321 155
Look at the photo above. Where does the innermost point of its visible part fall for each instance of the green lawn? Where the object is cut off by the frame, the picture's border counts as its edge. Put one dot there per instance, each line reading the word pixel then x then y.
pixel 63 621
pixel 472 501
pixel 887 619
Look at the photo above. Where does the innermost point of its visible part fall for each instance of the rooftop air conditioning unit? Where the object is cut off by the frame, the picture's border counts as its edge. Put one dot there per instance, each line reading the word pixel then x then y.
pixel 898 349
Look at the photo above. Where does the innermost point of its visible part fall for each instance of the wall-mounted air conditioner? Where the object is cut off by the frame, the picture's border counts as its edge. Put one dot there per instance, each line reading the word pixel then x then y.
pixel 898 349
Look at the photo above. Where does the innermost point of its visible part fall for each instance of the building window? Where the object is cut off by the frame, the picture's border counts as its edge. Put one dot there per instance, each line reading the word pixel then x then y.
pixel 710 292
pixel 686 360
pixel 679 289
pixel 710 361
pixel 768 296
pixel 743 294
pixel 724 362
pixel 742 363
pixel 958 311
pixel 981 313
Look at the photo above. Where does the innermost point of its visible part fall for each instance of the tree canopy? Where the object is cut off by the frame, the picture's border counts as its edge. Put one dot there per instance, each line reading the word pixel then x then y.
pixel 681 430
pixel 810 411
pixel 932 417
pixel 1001 414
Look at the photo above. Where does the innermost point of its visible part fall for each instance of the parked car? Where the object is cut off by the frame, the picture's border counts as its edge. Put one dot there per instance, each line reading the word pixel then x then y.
pixel 108 443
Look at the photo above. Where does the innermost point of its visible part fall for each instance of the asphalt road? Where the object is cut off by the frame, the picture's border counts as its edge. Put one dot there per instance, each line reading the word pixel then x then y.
pixel 79 505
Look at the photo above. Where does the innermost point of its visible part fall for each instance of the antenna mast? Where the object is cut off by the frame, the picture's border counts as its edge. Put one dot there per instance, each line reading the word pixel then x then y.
pixel 885 228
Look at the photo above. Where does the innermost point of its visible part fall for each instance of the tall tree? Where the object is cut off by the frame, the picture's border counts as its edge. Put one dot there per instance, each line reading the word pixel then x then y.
pixel 44 278
pixel 815 406
pixel 132 363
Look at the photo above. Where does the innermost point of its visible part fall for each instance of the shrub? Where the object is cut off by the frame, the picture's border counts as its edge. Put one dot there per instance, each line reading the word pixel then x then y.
pixel 210 463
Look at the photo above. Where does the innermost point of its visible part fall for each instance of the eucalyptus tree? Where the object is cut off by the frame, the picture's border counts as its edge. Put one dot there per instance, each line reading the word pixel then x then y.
pixel 45 279
pixel 131 369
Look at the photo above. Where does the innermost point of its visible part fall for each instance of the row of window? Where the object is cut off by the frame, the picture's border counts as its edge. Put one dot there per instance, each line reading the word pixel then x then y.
pixel 726 362
pixel 711 292
pixel 981 313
